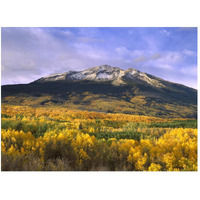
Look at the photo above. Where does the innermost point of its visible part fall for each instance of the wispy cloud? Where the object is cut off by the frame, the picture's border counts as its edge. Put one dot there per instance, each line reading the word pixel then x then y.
pixel 164 32
pixel 189 70
pixel 188 52
pixel 187 29
pixel 89 39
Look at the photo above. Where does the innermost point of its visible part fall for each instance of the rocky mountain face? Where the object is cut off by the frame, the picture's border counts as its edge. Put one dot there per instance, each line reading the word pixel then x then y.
pixel 105 73
pixel 107 89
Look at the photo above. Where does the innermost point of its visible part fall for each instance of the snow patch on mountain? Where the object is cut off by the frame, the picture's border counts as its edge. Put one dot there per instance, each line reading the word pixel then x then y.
pixel 77 76
pixel 104 76
pixel 151 81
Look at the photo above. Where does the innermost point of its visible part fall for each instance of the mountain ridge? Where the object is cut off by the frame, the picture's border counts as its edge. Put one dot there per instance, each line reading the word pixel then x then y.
pixel 104 73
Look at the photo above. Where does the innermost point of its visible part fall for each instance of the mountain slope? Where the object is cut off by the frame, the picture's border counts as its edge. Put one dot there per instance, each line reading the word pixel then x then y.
pixel 107 89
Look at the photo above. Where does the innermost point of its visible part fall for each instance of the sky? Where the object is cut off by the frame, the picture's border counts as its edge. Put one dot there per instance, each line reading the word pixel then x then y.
pixel 31 53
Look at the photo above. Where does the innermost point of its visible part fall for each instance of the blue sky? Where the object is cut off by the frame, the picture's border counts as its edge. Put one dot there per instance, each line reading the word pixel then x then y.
pixel 30 53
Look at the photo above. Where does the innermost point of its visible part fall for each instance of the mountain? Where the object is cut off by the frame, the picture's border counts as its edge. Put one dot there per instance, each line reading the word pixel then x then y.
pixel 107 89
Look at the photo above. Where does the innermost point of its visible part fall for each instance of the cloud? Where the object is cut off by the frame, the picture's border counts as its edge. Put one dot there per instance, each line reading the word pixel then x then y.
pixel 164 66
pixel 170 57
pixel 140 59
pixel 189 70
pixel 145 57
pixel 88 39
pixel 187 29
pixel 165 60
pixel 189 52
pixel 67 33
pixel 151 57
pixel 156 56
pixel 187 75
pixel 165 32
pixel 122 51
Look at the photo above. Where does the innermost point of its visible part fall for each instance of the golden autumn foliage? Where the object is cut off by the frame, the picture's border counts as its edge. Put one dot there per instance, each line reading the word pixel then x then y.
pixel 60 139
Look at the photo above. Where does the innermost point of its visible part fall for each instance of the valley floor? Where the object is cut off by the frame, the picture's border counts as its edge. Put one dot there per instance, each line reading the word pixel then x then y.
pixel 59 139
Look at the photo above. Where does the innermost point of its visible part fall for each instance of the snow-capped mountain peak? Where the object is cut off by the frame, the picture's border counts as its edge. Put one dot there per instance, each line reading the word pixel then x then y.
pixel 104 73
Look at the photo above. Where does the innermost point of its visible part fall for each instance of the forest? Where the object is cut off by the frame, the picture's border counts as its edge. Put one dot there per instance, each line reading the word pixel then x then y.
pixel 56 138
